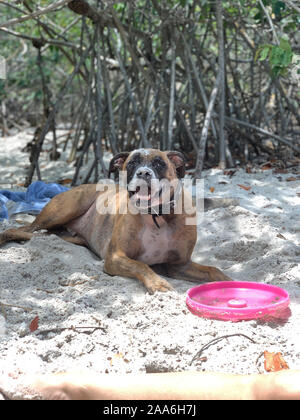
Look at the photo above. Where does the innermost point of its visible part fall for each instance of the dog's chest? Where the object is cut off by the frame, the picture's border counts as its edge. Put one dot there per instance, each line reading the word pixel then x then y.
pixel 155 244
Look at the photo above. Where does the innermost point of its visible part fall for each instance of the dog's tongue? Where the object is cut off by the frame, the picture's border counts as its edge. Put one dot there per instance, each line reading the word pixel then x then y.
pixel 144 199
pixel 143 194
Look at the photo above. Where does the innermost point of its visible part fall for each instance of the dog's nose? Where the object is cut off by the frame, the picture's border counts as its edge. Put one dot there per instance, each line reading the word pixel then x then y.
pixel 144 173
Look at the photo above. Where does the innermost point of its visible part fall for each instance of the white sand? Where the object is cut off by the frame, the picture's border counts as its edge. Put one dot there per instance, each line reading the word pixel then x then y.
pixel 64 285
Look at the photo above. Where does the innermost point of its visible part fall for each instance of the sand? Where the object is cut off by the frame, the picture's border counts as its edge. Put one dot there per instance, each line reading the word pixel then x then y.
pixel 92 321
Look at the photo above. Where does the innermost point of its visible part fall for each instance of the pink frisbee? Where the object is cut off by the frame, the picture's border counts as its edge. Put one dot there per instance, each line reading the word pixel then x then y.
pixel 237 300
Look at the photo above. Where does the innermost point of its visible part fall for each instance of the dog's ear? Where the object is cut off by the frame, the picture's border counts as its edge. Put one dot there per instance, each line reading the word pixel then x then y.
pixel 178 161
pixel 117 162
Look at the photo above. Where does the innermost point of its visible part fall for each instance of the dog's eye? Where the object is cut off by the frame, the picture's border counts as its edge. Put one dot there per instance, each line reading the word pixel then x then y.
pixel 136 159
pixel 158 163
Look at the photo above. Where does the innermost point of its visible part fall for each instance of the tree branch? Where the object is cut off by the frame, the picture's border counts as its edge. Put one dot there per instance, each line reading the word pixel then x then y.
pixel 81 7
pixel 34 14
pixel 42 41
pixel 292 5
pixel 222 100
pixel 270 21
pixel 51 117
pixel 202 143
pixel 262 131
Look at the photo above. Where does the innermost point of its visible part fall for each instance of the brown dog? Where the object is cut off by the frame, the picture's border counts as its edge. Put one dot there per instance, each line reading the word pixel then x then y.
pixel 134 228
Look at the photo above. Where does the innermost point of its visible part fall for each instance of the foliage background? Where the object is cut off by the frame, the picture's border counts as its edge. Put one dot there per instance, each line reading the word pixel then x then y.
pixel 218 80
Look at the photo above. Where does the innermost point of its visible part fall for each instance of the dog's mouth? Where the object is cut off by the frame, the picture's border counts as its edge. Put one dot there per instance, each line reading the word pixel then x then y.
pixel 145 197
pixel 157 197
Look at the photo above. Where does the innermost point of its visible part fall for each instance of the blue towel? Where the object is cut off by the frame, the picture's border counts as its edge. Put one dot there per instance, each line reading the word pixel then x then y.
pixel 31 201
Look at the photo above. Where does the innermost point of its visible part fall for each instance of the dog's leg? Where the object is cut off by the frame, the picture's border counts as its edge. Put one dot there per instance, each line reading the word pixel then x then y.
pixel 65 207
pixel 15 235
pixel 60 210
pixel 118 264
pixel 20 234
pixel 66 236
pixel 195 272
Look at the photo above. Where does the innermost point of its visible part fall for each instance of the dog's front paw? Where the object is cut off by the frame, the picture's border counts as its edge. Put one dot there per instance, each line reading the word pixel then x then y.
pixel 217 275
pixel 158 284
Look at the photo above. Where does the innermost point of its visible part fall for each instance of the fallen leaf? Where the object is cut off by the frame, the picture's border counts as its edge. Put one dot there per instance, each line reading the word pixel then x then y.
pixel 117 357
pixel 279 171
pixel 230 172
pixel 34 324
pixel 212 189
pixel 291 178
pixel 266 167
pixel 274 362
pixel 280 236
pixel 244 187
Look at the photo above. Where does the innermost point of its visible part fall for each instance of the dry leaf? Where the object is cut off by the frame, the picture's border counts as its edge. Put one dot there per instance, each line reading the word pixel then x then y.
pixel 274 362
pixel 230 172
pixel 280 236
pixel 34 324
pixel 116 358
pixel 266 167
pixel 279 171
pixel 212 189
pixel 244 187
pixel 291 178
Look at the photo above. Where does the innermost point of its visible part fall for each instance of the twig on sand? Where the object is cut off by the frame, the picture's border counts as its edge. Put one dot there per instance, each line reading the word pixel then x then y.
pixel 72 328
pixel 256 362
pixel 2 305
pixel 215 341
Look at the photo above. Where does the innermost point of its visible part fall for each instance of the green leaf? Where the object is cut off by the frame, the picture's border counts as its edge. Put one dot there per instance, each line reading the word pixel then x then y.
pixel 285 45
pixel 264 53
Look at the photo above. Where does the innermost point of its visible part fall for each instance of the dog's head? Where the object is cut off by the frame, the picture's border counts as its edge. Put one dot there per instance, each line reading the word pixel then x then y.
pixel 152 175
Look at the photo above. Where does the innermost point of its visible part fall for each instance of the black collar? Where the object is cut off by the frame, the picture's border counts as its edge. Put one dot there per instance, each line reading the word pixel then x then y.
pixel 154 217
pixel 159 211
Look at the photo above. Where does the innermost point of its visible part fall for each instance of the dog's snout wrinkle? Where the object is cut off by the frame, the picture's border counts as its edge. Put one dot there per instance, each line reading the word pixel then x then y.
pixel 144 173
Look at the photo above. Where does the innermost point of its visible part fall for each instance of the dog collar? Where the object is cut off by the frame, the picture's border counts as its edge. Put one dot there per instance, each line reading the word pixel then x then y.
pixel 172 202
pixel 154 217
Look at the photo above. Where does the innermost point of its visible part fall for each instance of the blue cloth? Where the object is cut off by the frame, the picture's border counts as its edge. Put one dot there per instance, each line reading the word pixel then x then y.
pixel 31 201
